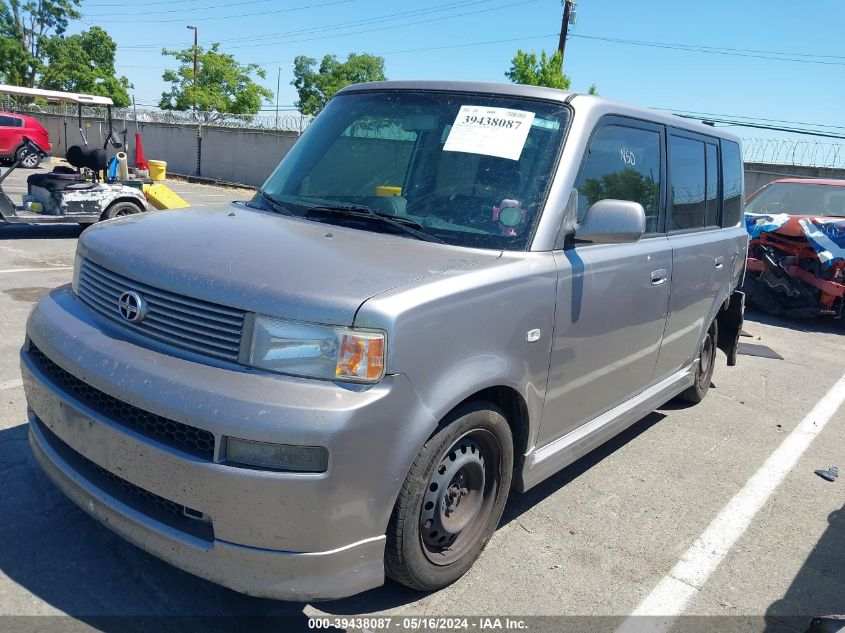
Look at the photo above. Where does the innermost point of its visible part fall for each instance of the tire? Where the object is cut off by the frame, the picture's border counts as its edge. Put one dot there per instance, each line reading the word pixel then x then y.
pixel 28 158
pixel 704 368
pixel 118 209
pixel 431 540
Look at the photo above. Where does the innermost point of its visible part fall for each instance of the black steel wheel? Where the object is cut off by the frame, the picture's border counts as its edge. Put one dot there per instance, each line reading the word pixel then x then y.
pixel 452 499
pixel 704 368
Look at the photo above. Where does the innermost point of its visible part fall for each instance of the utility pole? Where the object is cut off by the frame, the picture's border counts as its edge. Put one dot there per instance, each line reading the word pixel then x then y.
pixel 278 85
pixel 564 26
pixel 199 123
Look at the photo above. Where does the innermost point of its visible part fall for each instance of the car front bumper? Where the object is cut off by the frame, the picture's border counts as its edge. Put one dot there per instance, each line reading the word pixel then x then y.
pixel 296 536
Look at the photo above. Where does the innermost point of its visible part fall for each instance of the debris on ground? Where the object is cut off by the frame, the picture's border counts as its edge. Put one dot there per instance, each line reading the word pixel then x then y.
pixel 830 474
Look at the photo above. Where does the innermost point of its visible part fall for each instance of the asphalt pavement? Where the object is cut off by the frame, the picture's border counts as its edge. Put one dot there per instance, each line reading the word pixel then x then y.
pixel 594 540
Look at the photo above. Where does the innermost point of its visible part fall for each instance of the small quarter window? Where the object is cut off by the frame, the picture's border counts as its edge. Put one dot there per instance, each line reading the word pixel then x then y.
pixel 732 183
pixel 623 163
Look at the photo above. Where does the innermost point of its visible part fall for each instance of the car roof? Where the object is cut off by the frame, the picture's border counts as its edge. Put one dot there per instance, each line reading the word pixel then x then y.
pixel 578 100
pixel 830 182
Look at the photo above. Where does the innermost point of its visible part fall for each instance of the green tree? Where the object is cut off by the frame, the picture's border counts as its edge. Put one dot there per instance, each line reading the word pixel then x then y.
pixel 25 29
pixel 223 85
pixel 546 71
pixel 316 87
pixel 84 63
pixel 593 90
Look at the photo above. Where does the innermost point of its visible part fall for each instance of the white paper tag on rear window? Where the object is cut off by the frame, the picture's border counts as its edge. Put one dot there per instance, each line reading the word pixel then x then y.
pixel 489 131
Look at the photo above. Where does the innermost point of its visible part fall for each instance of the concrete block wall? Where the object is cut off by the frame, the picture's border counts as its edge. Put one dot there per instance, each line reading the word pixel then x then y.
pixel 230 154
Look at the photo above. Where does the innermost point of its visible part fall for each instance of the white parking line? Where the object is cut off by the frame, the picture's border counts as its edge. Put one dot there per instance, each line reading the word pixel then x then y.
pixel 34 270
pixel 10 384
pixel 674 593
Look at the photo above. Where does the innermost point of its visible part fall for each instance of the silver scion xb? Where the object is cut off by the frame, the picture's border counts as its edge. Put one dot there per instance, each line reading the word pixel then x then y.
pixel 445 292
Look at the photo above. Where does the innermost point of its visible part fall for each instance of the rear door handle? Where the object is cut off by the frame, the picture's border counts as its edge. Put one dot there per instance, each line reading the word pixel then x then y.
pixel 720 261
pixel 658 277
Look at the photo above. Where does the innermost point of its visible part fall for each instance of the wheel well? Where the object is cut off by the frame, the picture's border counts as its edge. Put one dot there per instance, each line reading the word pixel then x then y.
pixel 516 412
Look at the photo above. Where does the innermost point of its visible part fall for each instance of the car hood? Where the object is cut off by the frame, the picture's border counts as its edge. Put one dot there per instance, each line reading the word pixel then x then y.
pixel 264 262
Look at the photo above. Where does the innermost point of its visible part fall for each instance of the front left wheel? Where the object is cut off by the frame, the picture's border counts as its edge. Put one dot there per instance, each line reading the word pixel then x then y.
pixel 452 499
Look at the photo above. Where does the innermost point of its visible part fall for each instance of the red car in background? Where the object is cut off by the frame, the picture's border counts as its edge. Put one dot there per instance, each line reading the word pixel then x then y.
pixel 13 127
pixel 796 254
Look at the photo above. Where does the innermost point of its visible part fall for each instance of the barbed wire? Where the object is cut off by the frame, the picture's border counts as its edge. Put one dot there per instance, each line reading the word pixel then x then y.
pixel 285 122
pixel 795 152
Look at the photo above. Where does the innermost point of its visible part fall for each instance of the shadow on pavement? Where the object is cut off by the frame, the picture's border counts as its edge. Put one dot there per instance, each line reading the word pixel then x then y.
pixel 66 559
pixel 819 587
pixel 818 324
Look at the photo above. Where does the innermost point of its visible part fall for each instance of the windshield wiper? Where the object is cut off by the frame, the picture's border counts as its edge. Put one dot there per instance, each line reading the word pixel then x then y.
pixel 274 204
pixel 406 225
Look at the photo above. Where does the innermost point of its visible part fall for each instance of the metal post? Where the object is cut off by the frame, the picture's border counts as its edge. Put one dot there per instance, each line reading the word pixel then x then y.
pixel 278 85
pixel 199 122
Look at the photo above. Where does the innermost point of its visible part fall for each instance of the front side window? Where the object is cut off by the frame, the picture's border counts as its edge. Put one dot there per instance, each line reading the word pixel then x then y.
pixel 465 169
pixel 622 163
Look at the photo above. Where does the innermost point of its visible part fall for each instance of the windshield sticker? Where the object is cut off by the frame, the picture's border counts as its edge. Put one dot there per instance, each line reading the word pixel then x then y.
pixel 489 131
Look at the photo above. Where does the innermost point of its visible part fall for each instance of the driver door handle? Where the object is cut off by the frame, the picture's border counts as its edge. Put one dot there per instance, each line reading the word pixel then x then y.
pixel 719 261
pixel 658 277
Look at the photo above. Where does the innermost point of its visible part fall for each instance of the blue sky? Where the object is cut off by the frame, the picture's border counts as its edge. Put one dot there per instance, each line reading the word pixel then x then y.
pixel 270 33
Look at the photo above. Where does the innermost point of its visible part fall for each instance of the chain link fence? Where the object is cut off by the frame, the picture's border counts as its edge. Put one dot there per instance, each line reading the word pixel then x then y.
pixel 284 122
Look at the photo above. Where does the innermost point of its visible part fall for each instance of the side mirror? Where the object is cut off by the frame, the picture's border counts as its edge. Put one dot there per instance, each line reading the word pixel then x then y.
pixel 612 222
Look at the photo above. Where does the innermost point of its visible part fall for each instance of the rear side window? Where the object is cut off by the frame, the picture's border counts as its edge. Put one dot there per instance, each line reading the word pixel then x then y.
pixel 732 183
pixel 687 177
pixel 10 121
pixel 623 163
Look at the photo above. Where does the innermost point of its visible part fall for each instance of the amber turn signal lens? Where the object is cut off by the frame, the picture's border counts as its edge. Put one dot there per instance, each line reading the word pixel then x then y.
pixel 361 356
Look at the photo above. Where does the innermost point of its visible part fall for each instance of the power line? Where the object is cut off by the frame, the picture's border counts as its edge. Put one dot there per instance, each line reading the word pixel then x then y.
pixel 229 17
pixel 710 115
pixel 133 9
pixel 341 25
pixel 707 49
pixel 761 126
pixel 400 52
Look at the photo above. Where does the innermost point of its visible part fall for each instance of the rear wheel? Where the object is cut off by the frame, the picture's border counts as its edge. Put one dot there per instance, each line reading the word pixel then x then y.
pixel 119 209
pixel 28 158
pixel 452 499
pixel 704 367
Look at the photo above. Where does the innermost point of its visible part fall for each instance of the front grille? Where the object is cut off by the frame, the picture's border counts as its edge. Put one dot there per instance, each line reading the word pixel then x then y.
pixel 148 503
pixel 193 324
pixel 169 432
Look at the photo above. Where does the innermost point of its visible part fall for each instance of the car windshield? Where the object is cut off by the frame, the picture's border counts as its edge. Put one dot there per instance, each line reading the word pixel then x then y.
pixel 799 199
pixel 465 169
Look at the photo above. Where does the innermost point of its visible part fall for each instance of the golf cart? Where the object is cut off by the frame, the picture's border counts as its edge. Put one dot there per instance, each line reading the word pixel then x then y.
pixel 76 193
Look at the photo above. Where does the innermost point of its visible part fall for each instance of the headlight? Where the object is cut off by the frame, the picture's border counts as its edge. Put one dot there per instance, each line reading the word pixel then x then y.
pixel 317 351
